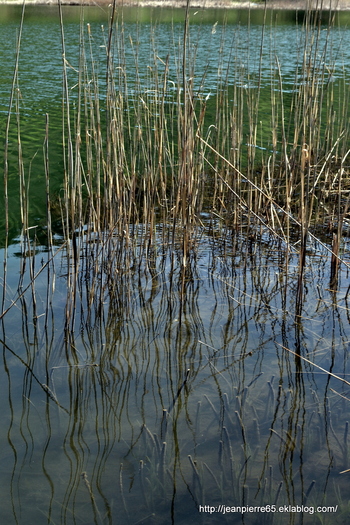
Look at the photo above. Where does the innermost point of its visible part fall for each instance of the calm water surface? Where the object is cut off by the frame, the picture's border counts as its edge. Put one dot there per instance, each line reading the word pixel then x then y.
pixel 163 401
pixel 163 394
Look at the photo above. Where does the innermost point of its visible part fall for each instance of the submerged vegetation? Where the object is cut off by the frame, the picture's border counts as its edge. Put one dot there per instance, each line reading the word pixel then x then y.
pixel 183 322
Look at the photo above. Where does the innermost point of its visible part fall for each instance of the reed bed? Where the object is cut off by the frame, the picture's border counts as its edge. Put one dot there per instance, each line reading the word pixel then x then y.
pixel 145 149
pixel 155 160
pixel 156 168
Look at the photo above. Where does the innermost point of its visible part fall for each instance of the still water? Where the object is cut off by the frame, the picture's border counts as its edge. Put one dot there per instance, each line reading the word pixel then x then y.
pixel 162 402
pixel 164 399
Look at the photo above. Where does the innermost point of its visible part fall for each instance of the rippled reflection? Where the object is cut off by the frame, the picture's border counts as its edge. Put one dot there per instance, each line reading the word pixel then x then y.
pixel 148 392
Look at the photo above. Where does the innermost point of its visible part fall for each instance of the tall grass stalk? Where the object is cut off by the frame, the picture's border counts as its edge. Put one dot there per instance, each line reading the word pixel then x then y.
pixel 143 149
pixel 14 88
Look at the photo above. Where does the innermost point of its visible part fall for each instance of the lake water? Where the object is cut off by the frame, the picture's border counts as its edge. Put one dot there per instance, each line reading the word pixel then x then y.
pixel 228 47
pixel 164 398
pixel 114 437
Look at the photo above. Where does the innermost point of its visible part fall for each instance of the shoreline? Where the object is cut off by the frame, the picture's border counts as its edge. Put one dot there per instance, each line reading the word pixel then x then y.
pixel 297 5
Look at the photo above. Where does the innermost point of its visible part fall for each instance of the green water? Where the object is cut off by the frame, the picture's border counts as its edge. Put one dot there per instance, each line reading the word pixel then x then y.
pixel 164 395
pixel 226 46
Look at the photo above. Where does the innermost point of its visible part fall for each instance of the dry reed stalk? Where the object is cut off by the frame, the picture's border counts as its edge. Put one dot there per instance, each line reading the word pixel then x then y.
pixel 303 230
pixel 143 161
pixel 69 221
pixel 334 262
pixel 319 367
pixel 6 152
pixel 277 206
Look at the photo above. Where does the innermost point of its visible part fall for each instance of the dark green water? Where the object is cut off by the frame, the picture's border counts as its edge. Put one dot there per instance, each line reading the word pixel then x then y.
pixel 165 396
pixel 226 46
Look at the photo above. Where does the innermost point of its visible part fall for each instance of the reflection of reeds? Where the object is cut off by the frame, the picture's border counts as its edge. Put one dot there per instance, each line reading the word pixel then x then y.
pixel 144 157
pixel 97 516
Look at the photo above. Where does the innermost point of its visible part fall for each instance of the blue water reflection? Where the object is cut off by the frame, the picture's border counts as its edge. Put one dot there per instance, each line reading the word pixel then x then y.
pixel 161 400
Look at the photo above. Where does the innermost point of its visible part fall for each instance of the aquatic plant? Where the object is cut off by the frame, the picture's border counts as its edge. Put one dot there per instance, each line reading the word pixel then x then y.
pixel 154 151
pixel 155 385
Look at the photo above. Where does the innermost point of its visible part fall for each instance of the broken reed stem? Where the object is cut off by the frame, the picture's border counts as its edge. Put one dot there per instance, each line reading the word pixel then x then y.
pixel 346 446
pixel 197 483
pixel 164 424
pixel 121 486
pixel 142 481
pixel 162 468
pixel 334 262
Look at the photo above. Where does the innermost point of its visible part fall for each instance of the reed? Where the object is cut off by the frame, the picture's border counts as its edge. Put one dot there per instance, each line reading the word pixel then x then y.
pixel 143 159
pixel 197 486
pixel 121 486
pixel 145 149
pixel 14 90
pixel 346 445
